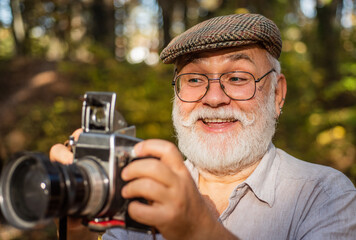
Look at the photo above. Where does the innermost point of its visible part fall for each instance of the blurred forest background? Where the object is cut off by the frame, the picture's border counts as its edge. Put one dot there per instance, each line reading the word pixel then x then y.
pixel 52 52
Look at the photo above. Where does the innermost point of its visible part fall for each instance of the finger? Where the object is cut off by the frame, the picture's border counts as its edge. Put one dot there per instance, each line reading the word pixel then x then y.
pixel 145 188
pixel 166 151
pixel 60 153
pixel 144 213
pixel 76 133
pixel 149 168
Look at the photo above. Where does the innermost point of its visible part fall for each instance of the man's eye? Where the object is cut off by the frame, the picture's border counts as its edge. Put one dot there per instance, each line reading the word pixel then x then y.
pixel 194 80
pixel 238 80
pixel 235 79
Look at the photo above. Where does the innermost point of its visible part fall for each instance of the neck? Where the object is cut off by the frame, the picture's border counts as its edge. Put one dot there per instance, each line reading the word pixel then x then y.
pixel 217 189
pixel 206 177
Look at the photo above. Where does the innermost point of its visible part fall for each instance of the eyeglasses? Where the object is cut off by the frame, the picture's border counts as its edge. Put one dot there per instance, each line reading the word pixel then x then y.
pixel 237 85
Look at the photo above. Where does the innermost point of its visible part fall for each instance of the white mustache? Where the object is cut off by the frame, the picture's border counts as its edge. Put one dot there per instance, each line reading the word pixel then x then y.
pixel 220 113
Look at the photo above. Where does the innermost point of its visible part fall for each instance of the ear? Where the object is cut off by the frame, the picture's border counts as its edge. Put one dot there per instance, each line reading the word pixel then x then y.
pixel 280 94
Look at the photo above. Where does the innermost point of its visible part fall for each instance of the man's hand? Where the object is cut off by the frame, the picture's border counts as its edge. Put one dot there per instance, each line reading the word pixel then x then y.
pixel 61 153
pixel 176 207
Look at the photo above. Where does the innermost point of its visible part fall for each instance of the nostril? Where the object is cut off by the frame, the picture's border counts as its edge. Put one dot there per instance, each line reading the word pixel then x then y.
pixel 216 96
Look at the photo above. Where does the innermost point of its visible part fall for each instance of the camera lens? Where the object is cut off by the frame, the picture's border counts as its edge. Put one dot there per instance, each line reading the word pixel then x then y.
pixel 30 187
pixel 30 190
pixel 98 118
pixel 34 190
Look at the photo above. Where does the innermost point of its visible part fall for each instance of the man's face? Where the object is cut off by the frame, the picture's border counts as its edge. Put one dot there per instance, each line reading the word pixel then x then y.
pixel 221 135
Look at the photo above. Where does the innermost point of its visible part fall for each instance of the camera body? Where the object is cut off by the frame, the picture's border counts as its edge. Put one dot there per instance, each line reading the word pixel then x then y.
pixel 34 190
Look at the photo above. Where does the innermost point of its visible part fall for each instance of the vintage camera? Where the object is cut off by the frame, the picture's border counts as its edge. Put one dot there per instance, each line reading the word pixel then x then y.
pixel 34 190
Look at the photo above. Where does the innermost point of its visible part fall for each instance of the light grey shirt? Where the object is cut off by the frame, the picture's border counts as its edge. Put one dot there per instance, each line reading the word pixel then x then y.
pixel 284 198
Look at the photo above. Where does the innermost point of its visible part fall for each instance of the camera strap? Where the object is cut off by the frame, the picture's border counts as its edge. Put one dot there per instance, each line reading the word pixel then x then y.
pixel 62 231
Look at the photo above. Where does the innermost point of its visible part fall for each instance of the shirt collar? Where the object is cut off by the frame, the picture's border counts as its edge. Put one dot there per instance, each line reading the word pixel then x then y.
pixel 263 180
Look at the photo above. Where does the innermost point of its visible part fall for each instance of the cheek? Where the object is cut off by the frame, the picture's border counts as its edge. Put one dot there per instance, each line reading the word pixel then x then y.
pixel 184 108
pixel 249 106
pixel 261 98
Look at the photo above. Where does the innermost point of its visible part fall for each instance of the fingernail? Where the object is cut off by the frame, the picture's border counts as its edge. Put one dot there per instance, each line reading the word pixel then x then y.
pixel 123 191
pixel 137 149
pixel 124 174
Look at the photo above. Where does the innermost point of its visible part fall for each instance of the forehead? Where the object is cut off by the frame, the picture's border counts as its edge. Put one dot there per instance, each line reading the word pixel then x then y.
pixel 253 54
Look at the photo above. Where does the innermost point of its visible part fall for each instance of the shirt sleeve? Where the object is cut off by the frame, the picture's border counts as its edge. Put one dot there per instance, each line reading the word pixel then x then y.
pixel 331 210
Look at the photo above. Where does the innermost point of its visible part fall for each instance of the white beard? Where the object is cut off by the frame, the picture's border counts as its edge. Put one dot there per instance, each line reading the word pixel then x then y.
pixel 225 153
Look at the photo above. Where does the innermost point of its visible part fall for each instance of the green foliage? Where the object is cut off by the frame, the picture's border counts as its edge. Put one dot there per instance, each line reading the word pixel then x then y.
pixel 48 124
pixel 143 97
pixel 318 123
pixel 143 93
pixel 6 44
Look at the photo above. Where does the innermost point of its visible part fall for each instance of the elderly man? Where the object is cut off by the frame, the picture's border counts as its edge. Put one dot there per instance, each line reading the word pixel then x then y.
pixel 235 184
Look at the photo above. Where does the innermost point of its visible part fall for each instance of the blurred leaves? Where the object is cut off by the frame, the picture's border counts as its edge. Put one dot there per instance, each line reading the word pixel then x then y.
pixel 86 47
pixel 61 49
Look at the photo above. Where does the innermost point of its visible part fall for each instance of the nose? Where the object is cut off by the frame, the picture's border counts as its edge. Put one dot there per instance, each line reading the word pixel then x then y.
pixel 215 97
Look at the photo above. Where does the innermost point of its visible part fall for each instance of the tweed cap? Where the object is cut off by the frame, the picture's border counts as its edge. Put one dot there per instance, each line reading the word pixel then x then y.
pixel 223 32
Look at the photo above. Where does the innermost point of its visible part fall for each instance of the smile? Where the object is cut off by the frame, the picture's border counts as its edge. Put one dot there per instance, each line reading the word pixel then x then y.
pixel 217 125
pixel 218 120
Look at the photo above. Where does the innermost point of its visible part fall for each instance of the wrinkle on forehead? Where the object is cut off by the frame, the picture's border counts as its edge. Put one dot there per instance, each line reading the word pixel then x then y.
pixel 229 54
pixel 233 57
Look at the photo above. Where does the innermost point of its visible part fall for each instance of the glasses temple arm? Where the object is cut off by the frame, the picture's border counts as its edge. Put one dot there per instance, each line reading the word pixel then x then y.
pixel 259 79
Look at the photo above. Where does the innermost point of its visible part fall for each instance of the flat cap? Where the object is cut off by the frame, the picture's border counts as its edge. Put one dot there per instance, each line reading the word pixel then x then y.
pixel 223 32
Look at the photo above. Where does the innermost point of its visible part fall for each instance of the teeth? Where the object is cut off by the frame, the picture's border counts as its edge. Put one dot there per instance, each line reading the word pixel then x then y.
pixel 217 120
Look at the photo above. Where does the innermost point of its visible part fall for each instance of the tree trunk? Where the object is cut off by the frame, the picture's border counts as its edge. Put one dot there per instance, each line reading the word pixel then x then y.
pixel 18 28
pixel 167 12
pixel 103 30
pixel 328 39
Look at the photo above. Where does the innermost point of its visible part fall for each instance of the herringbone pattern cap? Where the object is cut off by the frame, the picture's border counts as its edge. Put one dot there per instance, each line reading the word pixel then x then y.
pixel 223 32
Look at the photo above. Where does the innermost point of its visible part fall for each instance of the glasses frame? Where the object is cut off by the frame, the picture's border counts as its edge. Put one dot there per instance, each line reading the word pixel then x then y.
pixel 221 85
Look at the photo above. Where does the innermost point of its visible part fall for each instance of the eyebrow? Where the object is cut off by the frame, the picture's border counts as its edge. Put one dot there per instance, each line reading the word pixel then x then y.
pixel 240 56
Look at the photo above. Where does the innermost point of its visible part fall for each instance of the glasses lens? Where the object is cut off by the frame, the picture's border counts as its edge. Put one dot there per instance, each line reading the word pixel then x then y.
pixel 191 87
pixel 239 85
